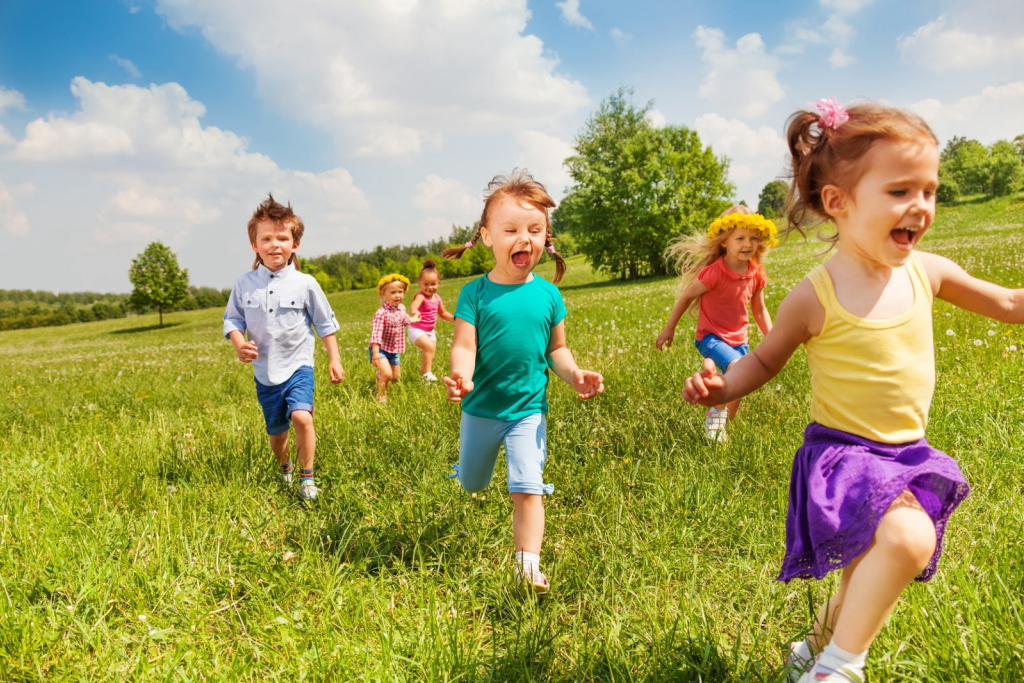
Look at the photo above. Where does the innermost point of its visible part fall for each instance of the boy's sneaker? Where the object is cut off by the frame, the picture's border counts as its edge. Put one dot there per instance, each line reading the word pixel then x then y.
pixel 428 377
pixel 308 490
pixel 714 423
pixel 285 478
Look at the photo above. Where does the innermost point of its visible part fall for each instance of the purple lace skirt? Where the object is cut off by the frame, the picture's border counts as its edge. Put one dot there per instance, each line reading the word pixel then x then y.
pixel 841 486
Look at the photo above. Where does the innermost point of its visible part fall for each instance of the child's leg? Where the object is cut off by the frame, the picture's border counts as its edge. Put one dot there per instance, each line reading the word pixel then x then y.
pixel 279 445
pixel 305 438
pixel 427 347
pixel 396 372
pixel 479 439
pixel 904 544
pixel 528 522
pixel 383 375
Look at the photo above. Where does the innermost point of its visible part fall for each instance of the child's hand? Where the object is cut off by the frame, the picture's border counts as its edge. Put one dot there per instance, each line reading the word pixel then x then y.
pixel 415 317
pixel 705 387
pixel 247 352
pixel 587 384
pixel 458 386
pixel 665 339
pixel 337 372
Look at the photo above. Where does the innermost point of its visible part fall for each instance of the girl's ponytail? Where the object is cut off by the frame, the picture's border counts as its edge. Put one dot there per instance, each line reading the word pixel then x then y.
pixel 806 140
pixel 456 252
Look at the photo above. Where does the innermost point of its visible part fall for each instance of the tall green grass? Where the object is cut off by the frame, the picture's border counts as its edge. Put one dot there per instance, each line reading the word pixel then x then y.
pixel 143 537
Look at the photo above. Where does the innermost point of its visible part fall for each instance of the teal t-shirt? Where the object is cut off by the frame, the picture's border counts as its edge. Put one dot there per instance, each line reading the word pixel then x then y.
pixel 513 329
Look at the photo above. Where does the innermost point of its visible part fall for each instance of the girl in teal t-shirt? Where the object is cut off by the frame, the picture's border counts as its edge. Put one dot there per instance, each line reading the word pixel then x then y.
pixel 509 328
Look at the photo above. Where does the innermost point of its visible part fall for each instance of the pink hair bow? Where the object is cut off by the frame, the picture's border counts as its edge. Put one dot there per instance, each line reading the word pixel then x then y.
pixel 551 249
pixel 468 245
pixel 832 114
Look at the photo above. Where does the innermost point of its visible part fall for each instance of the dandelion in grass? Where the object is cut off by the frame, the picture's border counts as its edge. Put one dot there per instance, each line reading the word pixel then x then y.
pixel 1012 347
pixel 978 342
pixel 950 333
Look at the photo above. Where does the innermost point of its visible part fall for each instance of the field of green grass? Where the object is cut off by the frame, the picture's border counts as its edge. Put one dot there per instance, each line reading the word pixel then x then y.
pixel 143 536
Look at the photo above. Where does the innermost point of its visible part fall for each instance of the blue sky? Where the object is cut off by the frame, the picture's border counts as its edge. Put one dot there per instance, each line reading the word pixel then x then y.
pixel 128 121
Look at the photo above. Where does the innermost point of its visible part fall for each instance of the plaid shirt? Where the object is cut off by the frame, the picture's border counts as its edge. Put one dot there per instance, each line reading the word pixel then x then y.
pixel 389 328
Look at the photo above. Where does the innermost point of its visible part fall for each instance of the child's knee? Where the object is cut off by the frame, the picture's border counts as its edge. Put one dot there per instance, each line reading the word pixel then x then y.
pixel 908 534
pixel 302 418
pixel 473 484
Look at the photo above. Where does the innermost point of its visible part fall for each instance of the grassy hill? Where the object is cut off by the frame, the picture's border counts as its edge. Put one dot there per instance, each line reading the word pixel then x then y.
pixel 143 537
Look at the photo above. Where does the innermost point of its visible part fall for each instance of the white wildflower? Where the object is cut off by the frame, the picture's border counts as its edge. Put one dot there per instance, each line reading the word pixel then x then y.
pixel 950 333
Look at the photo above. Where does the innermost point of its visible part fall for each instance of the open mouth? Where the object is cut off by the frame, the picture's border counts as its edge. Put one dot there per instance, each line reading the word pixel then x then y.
pixel 906 237
pixel 521 259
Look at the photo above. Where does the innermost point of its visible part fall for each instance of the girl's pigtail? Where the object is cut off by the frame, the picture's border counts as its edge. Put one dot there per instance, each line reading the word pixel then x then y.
pixel 257 262
pixel 559 261
pixel 294 260
pixel 456 252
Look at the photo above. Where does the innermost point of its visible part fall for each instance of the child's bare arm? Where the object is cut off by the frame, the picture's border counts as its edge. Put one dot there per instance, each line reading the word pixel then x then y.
pixel 799 318
pixel 692 291
pixel 952 283
pixel 587 383
pixel 761 315
pixel 416 301
pixel 337 372
pixel 245 350
pixel 443 313
pixel 463 361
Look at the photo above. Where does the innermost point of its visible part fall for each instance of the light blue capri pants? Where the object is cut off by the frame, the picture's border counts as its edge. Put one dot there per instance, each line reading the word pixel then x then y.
pixel 526 450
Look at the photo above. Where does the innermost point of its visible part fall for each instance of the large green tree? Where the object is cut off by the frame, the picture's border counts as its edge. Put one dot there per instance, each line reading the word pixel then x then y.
pixel 966 161
pixel 772 198
pixel 157 280
pixel 636 187
pixel 1006 169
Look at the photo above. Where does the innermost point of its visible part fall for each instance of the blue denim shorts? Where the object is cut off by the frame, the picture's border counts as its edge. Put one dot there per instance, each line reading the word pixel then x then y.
pixel 278 402
pixel 393 358
pixel 526 449
pixel 712 346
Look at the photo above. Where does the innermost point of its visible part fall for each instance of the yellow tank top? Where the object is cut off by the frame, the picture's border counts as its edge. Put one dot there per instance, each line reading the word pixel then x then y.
pixel 873 378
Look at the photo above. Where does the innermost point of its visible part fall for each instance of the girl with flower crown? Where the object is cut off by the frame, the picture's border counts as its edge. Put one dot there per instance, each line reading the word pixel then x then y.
pixel 722 272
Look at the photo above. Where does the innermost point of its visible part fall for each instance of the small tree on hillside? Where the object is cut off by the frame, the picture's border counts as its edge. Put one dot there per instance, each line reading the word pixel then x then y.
pixel 157 280
pixel 635 187
pixel 1006 169
pixel 772 198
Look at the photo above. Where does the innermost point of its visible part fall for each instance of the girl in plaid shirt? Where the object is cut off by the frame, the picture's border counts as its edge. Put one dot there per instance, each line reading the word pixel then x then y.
pixel 387 338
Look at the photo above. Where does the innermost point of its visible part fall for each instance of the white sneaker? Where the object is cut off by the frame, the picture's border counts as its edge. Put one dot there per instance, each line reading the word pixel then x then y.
pixel 714 423
pixel 308 490
pixel 285 478
pixel 796 664
pixel 428 377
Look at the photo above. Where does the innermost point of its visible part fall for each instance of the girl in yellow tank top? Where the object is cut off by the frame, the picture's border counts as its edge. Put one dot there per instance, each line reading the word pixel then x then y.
pixel 868 494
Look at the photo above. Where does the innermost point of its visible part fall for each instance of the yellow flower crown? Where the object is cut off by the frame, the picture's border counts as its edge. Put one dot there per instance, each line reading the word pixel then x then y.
pixel 750 221
pixel 392 277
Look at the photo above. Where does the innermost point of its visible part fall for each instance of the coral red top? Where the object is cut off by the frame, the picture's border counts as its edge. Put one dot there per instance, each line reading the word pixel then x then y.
pixel 723 309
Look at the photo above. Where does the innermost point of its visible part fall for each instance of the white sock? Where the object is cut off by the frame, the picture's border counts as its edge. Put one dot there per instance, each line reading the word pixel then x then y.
pixel 527 562
pixel 803 651
pixel 834 658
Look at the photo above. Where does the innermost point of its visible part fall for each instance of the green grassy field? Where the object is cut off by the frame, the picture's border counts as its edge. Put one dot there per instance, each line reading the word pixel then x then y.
pixel 143 536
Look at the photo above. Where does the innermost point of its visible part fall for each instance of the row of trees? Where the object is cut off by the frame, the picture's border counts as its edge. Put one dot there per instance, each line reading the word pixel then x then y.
pixel 968 167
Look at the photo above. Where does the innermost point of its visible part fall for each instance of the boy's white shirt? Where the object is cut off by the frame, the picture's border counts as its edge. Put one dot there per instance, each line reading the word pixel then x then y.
pixel 277 309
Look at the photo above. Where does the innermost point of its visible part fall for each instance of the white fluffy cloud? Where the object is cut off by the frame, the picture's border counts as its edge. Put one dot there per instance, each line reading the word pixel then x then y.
pixel 966 42
pixel 571 14
pixel 143 167
pixel 387 76
pixel 445 196
pixel 544 156
pixel 13 221
pixel 11 99
pixel 993 114
pixel 756 155
pixel 128 65
pixel 742 80
pixel 655 118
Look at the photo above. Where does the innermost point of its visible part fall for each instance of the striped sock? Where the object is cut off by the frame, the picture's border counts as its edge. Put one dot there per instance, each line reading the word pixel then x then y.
pixel 287 468
pixel 304 475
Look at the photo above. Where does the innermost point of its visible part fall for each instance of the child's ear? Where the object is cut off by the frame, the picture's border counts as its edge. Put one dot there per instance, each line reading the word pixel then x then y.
pixel 485 236
pixel 255 250
pixel 834 201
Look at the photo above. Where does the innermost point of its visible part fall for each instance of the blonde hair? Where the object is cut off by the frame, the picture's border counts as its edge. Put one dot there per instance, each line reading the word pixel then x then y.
pixel 823 155
pixel 691 253
pixel 517 185
pixel 272 210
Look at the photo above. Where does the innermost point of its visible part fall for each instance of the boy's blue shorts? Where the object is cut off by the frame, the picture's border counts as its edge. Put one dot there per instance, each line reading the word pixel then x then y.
pixel 714 347
pixel 278 402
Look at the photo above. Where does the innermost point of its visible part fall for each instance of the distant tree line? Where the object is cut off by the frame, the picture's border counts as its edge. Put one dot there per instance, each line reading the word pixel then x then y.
pixel 967 167
pixel 24 308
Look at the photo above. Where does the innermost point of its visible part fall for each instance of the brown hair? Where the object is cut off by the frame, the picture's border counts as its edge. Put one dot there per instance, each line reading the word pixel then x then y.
pixel 428 265
pixel 517 185
pixel 272 210
pixel 820 155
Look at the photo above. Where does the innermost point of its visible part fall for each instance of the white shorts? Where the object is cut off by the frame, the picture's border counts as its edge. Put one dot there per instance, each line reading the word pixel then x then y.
pixel 415 333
